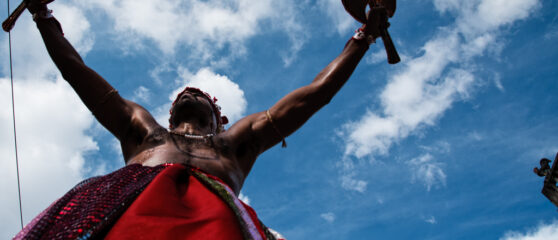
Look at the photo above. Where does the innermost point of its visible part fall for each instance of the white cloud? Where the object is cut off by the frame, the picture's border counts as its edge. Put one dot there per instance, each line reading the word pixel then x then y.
pixel 475 136
pixel 496 13
pixel 230 96
pixel 142 94
pixel 244 198
pixel 341 19
pixel 349 182
pixel 51 122
pixel 498 83
pixel 329 217
pixel 75 26
pixel 287 19
pixel 431 220
pixel 409 103
pixel 378 56
pixel 438 147
pixel 542 232
pixel 30 58
pixel 428 85
pixel 447 5
pixel 205 26
pixel 426 170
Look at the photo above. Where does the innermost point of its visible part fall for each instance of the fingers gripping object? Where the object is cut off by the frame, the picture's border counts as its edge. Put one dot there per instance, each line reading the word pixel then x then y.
pixel 9 23
pixel 380 11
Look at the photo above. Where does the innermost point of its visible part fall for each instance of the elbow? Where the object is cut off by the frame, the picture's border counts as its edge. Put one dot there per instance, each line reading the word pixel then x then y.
pixel 323 100
pixel 323 92
pixel 327 100
pixel 319 95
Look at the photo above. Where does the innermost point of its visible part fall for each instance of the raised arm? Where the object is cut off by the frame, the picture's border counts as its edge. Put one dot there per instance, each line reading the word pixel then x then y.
pixel 258 132
pixel 111 110
pixel 293 110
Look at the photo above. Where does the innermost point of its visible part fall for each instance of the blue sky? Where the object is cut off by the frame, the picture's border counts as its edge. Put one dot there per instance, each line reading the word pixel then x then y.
pixel 439 146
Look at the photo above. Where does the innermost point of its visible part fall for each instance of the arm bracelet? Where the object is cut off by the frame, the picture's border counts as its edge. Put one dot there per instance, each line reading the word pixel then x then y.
pixel 42 14
pixel 361 35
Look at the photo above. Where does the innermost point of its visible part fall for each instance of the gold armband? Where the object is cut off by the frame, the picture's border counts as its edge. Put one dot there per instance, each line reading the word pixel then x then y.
pixel 284 145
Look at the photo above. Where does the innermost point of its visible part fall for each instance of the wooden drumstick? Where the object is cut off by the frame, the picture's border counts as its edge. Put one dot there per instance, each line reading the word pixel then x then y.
pixel 9 23
pixel 392 55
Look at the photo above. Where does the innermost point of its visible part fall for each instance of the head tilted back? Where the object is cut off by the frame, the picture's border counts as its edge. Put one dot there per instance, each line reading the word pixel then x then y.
pixel 221 120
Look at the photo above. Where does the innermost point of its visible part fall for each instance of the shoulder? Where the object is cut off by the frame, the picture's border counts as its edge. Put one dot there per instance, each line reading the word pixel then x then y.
pixel 143 131
pixel 239 144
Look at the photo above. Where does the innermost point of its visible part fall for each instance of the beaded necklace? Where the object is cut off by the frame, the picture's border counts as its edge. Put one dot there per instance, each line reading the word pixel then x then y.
pixel 203 138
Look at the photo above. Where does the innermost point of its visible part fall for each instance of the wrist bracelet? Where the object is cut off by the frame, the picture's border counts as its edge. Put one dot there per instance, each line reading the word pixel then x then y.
pixel 42 14
pixel 361 35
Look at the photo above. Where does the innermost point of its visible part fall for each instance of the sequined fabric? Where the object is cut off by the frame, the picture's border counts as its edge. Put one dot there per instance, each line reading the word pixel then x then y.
pixel 90 208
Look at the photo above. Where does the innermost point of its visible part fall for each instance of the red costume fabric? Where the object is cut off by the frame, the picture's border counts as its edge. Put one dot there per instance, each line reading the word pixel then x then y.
pixel 170 201
pixel 176 205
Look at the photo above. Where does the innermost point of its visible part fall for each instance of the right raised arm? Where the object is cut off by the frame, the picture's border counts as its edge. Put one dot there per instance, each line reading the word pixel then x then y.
pixel 112 111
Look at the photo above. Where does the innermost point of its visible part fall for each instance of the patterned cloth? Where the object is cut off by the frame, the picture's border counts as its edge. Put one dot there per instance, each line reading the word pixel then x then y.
pixel 96 207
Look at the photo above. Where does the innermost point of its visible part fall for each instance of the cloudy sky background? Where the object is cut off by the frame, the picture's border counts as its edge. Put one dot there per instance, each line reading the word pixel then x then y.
pixel 439 146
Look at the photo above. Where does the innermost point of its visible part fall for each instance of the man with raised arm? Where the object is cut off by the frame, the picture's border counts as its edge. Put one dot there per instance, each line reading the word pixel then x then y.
pixel 180 182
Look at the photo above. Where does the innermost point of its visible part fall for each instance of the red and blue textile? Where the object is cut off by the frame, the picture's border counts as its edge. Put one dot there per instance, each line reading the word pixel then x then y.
pixel 137 202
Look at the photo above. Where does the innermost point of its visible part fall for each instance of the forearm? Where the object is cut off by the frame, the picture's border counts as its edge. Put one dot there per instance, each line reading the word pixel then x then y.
pixel 310 98
pixel 269 127
pixel 87 83
pixel 60 50
pixel 296 108
pixel 330 80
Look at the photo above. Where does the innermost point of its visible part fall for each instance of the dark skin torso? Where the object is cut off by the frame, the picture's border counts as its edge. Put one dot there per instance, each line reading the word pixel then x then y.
pixel 213 156
pixel 229 155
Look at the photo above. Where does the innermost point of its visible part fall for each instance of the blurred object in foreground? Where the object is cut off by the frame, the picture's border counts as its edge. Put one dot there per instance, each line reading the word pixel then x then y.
pixel 550 178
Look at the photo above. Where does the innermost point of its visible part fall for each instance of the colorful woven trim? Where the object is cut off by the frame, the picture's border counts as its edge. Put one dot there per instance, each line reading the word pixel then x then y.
pixel 248 226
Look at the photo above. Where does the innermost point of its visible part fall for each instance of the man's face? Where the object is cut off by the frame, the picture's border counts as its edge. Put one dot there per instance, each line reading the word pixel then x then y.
pixel 193 103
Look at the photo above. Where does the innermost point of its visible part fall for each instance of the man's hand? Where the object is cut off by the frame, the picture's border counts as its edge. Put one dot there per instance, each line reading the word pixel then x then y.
pixel 35 6
pixel 377 25
pixel 372 25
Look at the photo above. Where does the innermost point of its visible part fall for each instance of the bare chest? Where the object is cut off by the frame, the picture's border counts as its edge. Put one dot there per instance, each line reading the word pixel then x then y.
pixel 207 155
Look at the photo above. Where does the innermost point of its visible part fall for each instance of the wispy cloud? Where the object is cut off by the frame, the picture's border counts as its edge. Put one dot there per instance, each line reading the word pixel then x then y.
pixel 349 182
pixel 335 11
pixel 205 27
pixel 328 217
pixel 142 94
pixel 427 171
pixel 431 220
pixel 498 83
pixel 428 85
pixel 542 232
